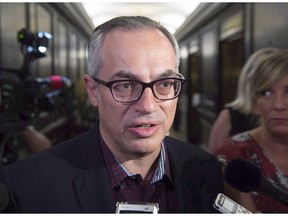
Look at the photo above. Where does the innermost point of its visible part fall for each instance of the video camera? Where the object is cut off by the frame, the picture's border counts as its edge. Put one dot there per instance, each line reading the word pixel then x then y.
pixel 36 44
pixel 23 96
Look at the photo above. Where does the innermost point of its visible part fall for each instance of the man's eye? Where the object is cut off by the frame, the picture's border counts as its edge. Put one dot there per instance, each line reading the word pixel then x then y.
pixel 125 85
pixel 166 83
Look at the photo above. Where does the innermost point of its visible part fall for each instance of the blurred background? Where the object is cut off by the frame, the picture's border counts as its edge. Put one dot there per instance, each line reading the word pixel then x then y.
pixel 169 14
pixel 43 55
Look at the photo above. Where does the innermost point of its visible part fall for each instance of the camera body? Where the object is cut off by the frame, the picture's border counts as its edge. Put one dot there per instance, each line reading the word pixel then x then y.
pixel 24 99
pixel 24 96
pixel 35 44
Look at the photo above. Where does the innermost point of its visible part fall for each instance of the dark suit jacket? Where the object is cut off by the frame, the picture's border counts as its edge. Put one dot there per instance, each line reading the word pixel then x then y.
pixel 71 177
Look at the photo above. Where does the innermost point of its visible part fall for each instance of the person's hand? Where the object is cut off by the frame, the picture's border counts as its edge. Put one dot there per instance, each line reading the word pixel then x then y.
pixel 35 140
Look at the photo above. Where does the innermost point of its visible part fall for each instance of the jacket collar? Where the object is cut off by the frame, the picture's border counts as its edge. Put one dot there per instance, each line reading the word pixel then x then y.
pixel 93 191
pixel 92 187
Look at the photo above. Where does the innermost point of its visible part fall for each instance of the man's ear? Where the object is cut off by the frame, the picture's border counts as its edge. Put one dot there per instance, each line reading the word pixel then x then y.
pixel 91 90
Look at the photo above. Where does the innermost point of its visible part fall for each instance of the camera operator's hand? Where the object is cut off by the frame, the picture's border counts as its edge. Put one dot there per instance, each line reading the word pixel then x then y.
pixel 35 140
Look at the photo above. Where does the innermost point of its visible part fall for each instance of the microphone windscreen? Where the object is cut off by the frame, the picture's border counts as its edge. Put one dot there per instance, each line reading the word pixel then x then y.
pixel 242 175
pixel 56 81
pixel 4 197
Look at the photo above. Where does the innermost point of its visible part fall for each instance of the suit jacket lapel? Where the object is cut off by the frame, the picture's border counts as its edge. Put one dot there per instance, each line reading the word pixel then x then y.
pixel 175 161
pixel 92 188
pixel 197 176
pixel 93 191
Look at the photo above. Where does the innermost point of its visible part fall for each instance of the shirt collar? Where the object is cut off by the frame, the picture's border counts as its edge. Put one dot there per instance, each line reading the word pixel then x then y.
pixel 160 169
pixel 117 171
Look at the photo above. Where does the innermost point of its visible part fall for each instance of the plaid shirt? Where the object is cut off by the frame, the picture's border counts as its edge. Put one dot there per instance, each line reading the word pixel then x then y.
pixel 128 187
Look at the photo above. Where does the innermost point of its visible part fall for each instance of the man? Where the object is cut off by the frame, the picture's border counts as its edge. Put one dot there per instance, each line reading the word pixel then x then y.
pixel 134 83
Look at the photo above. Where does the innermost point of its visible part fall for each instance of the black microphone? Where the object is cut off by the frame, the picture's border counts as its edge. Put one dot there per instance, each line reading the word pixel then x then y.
pixel 4 197
pixel 246 177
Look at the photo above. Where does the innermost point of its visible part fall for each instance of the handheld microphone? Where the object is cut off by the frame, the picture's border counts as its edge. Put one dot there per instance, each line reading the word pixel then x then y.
pixel 246 177
pixel 4 197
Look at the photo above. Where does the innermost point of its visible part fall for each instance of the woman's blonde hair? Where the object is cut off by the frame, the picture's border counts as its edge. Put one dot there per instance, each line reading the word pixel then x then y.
pixel 263 69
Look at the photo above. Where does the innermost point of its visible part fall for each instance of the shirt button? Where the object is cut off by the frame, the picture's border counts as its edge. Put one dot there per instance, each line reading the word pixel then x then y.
pixel 122 185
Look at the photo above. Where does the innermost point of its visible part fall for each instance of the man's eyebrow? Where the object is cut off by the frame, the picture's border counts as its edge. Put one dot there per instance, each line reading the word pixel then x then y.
pixel 168 73
pixel 124 74
pixel 129 75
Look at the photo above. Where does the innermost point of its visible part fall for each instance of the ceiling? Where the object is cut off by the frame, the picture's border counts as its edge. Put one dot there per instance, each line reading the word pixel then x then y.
pixel 169 14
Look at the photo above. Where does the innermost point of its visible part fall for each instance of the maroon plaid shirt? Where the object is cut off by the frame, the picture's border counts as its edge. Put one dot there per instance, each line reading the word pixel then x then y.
pixel 127 187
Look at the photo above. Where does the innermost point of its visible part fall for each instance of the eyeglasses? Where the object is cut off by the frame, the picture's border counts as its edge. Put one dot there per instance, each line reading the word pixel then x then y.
pixel 127 90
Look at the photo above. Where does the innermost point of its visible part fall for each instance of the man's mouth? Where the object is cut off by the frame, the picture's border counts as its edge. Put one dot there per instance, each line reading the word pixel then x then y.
pixel 144 130
pixel 144 126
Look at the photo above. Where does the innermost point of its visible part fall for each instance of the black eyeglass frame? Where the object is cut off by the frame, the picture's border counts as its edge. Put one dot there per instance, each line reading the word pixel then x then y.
pixel 144 85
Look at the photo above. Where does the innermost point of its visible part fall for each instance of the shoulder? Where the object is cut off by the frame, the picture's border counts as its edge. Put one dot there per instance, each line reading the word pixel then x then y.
pixel 186 155
pixel 237 146
pixel 222 123
pixel 181 146
pixel 243 137
pixel 75 154
pixel 226 112
pixel 225 115
pixel 182 151
pixel 197 174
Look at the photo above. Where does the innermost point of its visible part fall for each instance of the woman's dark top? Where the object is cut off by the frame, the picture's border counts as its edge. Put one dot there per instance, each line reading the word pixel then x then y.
pixel 241 122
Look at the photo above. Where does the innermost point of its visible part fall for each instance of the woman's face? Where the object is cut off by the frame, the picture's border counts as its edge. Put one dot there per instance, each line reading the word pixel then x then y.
pixel 272 106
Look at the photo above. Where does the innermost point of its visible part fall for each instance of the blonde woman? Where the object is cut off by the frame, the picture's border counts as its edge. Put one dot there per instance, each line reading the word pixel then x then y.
pixel 266 95
pixel 236 116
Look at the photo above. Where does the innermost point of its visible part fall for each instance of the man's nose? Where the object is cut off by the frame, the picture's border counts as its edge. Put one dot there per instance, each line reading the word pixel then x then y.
pixel 147 101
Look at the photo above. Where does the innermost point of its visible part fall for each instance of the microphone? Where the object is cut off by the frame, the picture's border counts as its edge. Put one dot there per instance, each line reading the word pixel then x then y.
pixel 58 82
pixel 55 82
pixel 246 177
pixel 4 197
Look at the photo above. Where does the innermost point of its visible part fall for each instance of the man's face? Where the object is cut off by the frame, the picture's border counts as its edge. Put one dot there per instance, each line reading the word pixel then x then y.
pixel 135 128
